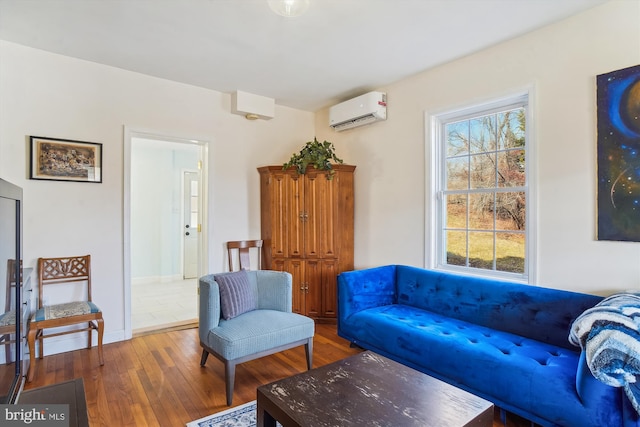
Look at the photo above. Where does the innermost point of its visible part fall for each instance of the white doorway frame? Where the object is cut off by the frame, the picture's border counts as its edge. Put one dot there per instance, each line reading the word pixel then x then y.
pixel 129 134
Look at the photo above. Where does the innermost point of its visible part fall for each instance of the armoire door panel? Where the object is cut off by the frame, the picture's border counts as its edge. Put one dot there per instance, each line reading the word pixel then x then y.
pixel 279 192
pixel 313 212
pixel 329 288
pixel 328 220
pixel 299 286
pixel 296 217
pixel 313 278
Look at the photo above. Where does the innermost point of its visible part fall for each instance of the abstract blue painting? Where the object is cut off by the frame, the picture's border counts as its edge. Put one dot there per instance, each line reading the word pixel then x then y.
pixel 618 103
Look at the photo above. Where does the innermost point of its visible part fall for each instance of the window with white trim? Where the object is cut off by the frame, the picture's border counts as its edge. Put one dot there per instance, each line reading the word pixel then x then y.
pixel 482 189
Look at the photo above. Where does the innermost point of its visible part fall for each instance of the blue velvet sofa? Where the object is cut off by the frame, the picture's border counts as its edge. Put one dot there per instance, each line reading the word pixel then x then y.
pixel 505 342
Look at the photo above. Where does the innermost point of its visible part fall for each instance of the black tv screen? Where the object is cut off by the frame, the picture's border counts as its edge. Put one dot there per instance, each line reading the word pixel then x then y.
pixel 11 311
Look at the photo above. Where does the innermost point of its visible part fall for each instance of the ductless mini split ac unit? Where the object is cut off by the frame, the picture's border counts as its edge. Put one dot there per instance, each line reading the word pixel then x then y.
pixel 362 110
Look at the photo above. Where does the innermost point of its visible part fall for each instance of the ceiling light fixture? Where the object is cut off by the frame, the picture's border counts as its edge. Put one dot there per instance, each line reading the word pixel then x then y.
pixel 289 8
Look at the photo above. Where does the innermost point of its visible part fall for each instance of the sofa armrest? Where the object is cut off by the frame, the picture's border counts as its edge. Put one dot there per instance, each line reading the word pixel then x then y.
pixel 362 289
pixel 587 386
pixel 209 296
pixel 274 290
pixel 594 393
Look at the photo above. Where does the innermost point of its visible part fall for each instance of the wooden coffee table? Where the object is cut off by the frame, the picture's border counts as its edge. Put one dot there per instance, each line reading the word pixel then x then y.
pixel 368 389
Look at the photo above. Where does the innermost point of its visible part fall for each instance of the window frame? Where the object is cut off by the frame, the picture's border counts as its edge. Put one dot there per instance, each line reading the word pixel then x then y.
pixel 435 253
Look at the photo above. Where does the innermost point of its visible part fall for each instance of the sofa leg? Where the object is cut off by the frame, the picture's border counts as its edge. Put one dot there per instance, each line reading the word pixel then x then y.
pixel 203 359
pixel 503 417
pixel 230 375
pixel 308 349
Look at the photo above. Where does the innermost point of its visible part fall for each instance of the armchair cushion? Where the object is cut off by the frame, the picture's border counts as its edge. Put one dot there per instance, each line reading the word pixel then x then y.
pixel 257 331
pixel 237 296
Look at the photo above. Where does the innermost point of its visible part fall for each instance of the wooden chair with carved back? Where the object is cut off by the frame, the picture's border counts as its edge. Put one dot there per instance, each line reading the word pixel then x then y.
pixel 52 272
pixel 244 256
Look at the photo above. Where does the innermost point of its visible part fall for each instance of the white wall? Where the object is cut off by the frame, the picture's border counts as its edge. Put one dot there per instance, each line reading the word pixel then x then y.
pixel 561 61
pixel 45 94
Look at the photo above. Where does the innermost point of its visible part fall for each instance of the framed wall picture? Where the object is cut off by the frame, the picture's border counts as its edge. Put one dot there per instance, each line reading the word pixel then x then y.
pixel 618 114
pixel 65 160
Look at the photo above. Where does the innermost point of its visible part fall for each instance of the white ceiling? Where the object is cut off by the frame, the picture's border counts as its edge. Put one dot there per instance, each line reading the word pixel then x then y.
pixel 338 49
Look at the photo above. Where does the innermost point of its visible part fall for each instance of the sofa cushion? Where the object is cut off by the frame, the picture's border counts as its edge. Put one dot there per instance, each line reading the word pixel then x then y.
pixel 514 372
pixel 237 296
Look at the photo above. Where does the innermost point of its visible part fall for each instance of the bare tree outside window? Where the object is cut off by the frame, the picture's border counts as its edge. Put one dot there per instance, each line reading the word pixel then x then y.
pixel 485 191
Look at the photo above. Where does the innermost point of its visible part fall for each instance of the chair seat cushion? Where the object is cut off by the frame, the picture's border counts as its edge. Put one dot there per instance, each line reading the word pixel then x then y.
pixel 257 331
pixel 8 318
pixel 58 311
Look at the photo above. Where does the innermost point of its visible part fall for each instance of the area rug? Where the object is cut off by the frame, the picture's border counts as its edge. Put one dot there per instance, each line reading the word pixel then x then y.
pixel 240 416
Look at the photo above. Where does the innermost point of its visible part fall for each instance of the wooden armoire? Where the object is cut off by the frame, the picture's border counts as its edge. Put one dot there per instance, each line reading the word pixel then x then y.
pixel 307 228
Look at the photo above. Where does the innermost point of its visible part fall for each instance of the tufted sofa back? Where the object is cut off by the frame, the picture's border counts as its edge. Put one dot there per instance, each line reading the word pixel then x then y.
pixel 539 313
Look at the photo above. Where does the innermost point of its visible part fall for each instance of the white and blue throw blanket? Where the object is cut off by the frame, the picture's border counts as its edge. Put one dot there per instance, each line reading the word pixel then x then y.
pixel 609 334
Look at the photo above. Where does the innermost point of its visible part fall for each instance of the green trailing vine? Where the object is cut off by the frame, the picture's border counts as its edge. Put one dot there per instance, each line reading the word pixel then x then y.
pixel 314 153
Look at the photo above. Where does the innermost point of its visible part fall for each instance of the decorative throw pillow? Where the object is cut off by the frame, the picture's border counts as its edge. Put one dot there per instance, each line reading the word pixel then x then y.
pixel 236 294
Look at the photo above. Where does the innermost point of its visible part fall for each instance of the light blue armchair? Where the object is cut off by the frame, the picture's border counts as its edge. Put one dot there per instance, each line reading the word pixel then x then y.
pixel 270 328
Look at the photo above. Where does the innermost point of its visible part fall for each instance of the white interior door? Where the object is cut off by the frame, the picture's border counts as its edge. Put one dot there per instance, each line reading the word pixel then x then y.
pixel 191 225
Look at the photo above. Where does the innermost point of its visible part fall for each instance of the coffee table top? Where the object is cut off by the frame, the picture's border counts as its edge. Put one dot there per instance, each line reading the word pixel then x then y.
pixel 370 390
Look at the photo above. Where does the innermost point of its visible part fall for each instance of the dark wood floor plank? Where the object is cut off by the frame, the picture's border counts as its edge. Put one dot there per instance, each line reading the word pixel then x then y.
pixel 142 411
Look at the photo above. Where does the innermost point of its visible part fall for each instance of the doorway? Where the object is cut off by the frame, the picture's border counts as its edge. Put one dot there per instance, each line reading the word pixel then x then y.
pixel 165 204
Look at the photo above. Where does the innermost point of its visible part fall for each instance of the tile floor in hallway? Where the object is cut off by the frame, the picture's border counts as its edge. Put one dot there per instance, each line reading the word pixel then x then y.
pixel 163 304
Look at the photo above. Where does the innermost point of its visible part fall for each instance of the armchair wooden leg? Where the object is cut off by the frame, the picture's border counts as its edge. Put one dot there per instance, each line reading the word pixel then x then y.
pixel 203 359
pixel 100 336
pixel 308 349
pixel 31 339
pixel 230 375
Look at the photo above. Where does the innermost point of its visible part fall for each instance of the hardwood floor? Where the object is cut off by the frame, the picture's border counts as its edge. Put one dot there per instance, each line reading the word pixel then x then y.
pixel 156 379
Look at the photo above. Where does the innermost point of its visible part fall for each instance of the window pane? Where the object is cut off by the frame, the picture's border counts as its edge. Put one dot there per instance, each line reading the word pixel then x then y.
pixel 481 211
pixel 483 170
pixel 511 168
pixel 483 134
pixel 457 248
pixel 481 250
pixel 511 129
pixel 456 211
pixel 457 138
pixel 510 211
pixel 458 173
pixel 510 252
